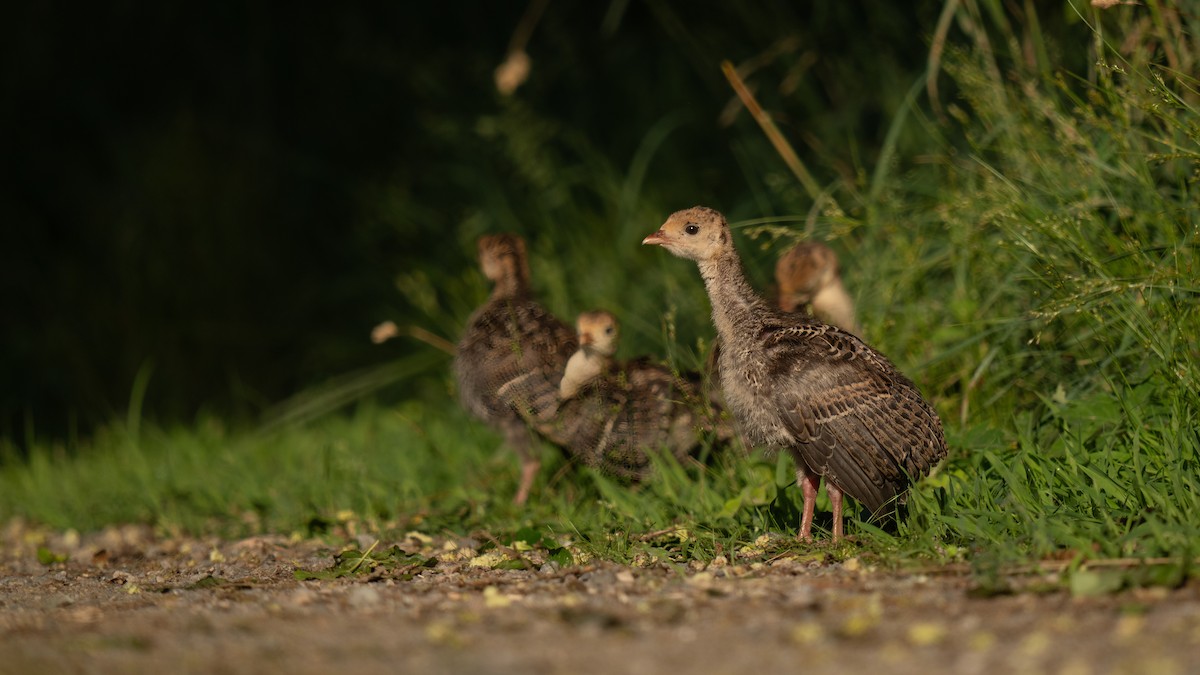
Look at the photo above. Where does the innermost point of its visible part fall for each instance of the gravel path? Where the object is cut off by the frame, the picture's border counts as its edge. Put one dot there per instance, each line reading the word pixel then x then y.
pixel 126 601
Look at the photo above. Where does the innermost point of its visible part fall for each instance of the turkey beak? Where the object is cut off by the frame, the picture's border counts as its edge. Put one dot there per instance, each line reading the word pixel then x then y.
pixel 659 238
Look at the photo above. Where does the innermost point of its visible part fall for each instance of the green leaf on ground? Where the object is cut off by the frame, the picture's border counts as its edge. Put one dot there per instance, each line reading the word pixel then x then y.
pixel 353 562
pixel 48 557
pixel 207 582
pixel 1090 583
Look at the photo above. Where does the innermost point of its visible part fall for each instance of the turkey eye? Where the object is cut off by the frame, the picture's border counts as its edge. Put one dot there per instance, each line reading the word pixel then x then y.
pixel 608 331
pixel 692 229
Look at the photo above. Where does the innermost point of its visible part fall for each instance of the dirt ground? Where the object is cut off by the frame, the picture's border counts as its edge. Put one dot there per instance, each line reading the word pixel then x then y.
pixel 128 602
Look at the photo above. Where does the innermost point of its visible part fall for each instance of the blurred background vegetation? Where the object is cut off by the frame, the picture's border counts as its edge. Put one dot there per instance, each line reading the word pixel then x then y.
pixel 207 210
pixel 231 198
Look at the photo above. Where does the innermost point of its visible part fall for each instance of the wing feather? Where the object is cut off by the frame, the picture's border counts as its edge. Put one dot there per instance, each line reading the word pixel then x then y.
pixel 856 419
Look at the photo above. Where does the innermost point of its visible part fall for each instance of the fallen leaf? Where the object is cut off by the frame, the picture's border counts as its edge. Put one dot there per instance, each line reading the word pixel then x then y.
pixel 1090 583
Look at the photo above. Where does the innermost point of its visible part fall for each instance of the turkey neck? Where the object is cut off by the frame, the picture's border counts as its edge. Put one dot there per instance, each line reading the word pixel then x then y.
pixel 833 304
pixel 583 367
pixel 737 309
pixel 510 286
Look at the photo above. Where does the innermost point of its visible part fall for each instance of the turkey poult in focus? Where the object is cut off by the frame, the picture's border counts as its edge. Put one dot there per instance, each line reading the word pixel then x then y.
pixel 807 274
pixel 839 407
pixel 615 416
pixel 506 339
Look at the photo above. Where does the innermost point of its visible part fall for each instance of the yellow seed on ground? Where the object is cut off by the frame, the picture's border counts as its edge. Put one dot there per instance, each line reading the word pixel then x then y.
pixel 489 559
pixel 494 599
pixel 442 632
pixel 808 633
pixel 1129 626
pixel 419 536
pixel 863 617
pixel 926 633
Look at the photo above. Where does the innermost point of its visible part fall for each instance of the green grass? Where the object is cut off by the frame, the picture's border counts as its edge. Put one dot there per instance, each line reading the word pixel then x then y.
pixel 387 469
pixel 1030 259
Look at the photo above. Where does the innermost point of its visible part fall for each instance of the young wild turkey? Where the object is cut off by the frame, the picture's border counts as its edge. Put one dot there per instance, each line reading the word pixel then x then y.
pixel 807 274
pixel 839 407
pixel 615 416
pixel 508 338
pixel 597 332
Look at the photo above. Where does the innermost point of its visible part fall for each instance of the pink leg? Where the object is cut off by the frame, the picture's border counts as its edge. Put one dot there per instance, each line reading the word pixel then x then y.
pixel 519 437
pixel 529 470
pixel 808 490
pixel 835 496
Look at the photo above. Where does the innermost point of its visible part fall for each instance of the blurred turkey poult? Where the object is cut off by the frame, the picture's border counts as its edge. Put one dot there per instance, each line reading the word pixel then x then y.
pixel 616 416
pixel 509 338
pixel 807 276
pixel 526 373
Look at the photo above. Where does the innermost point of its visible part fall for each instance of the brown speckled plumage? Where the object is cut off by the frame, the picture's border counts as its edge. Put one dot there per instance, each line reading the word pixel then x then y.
pixel 839 407
pixel 806 279
pixel 506 340
pixel 617 419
